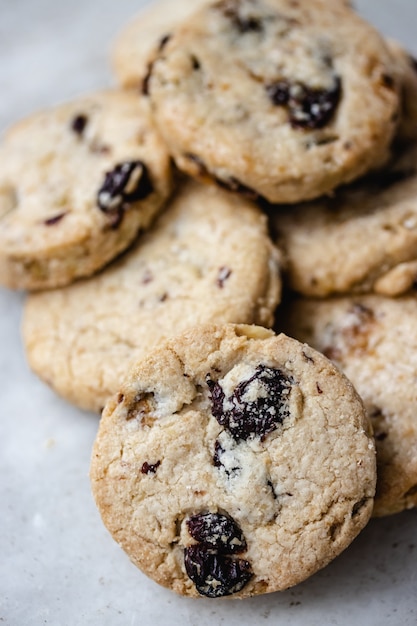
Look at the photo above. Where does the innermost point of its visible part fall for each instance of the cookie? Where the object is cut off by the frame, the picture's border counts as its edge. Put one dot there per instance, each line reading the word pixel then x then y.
pixel 233 462
pixel 272 97
pixel 406 67
pixel 139 40
pixel 208 258
pixel 77 184
pixel 373 339
pixel 362 239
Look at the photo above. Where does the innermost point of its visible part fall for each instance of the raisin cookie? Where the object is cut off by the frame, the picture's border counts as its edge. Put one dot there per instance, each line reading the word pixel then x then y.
pixel 208 258
pixel 77 183
pixel 373 339
pixel 138 42
pixel 281 99
pixel 362 239
pixel 233 462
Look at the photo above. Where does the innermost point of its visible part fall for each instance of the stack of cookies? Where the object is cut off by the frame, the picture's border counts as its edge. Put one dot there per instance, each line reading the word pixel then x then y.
pixel 255 169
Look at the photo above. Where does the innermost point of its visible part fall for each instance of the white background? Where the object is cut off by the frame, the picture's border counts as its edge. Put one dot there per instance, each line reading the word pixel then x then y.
pixel 58 565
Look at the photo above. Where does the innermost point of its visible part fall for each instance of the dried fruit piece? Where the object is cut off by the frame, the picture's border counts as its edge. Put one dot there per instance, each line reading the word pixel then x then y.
pixel 215 575
pixel 217 531
pixel 78 123
pixel 256 407
pixel 308 107
pixel 128 182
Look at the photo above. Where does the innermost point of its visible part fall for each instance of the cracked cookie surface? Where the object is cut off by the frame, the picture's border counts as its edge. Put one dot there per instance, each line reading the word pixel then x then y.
pixel 77 184
pixel 207 258
pixel 249 504
pixel 272 98
pixel 363 239
pixel 373 340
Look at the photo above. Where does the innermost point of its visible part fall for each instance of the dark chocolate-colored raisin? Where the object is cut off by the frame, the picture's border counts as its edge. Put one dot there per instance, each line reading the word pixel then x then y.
pixel 78 123
pixel 217 531
pixel 195 62
pixel 243 23
pixel 222 276
pixel 246 419
pixel 128 182
pixel 163 41
pixel 150 468
pixel 215 575
pixel 308 107
pixel 233 184
pixel 51 221
pixel 145 81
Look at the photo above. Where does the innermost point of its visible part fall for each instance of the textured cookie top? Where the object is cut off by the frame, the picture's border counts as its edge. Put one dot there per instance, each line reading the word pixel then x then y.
pixel 208 258
pixel 274 97
pixel 233 462
pixel 362 239
pixel 139 40
pixel 374 341
pixel 77 183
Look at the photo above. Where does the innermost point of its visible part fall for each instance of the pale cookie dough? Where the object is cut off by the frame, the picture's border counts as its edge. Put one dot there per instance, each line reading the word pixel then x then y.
pixel 373 339
pixel 362 239
pixel 233 462
pixel 77 184
pixel 140 39
pixel 281 99
pixel 208 258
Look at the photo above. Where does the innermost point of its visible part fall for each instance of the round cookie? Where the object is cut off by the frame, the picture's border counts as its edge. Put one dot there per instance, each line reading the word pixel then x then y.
pixel 373 340
pixel 77 184
pixel 362 239
pixel 140 39
pixel 281 99
pixel 233 462
pixel 208 258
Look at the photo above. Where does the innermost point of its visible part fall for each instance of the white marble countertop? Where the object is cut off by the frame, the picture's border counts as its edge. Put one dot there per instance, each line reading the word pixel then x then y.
pixel 58 565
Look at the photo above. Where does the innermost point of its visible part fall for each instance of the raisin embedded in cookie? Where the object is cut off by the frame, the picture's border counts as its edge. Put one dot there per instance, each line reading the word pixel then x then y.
pixel 208 258
pixel 373 340
pixel 77 184
pixel 233 462
pixel 362 239
pixel 281 99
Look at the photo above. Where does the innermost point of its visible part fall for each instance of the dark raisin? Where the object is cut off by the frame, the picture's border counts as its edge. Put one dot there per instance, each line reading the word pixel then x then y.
pixel 246 419
pixel 148 468
pixel 308 107
pixel 78 123
pixel 163 41
pixel 244 24
pixel 381 436
pixel 195 62
pixel 145 81
pixel 215 575
pixel 217 531
pixel 388 81
pixel 222 276
pixel 55 219
pixel 128 182
pixel 232 184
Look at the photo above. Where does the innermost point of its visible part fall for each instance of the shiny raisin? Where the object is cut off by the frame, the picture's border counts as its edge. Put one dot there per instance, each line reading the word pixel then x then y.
pixel 256 407
pixel 217 531
pixel 215 575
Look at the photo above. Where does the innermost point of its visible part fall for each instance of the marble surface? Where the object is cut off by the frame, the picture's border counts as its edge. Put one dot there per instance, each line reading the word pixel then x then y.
pixel 58 565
